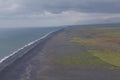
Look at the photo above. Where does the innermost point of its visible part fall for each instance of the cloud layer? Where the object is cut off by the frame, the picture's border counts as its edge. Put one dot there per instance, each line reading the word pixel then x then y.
pixel 57 6
pixel 56 12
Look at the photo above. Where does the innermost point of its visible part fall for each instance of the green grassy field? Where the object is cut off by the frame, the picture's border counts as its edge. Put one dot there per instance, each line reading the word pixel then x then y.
pixel 107 56
pixel 104 44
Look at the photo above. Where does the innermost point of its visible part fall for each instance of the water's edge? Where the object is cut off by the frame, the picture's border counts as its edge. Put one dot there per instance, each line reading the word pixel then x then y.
pixel 8 60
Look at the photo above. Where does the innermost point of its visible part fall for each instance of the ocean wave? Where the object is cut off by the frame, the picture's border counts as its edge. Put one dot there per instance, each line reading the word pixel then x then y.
pixel 31 43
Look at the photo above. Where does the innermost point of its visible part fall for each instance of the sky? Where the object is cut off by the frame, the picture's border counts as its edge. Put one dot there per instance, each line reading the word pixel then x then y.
pixel 31 13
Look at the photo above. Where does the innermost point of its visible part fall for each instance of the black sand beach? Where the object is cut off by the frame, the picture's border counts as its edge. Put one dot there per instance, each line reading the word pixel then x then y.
pixel 49 60
pixel 25 64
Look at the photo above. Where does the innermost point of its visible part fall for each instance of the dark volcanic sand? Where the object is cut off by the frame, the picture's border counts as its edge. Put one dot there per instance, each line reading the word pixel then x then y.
pixel 40 63
pixel 27 66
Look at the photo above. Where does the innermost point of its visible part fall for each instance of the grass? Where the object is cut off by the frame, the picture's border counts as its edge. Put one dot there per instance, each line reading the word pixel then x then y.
pixel 107 56
pixel 113 35
pixel 87 42
pixel 81 59
pixel 85 60
pixel 104 54
pixel 106 45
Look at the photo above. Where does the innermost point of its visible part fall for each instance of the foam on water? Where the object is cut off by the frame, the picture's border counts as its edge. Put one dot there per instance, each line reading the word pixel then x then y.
pixel 24 47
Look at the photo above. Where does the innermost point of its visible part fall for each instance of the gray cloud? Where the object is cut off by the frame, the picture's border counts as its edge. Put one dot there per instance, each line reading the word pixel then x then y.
pixel 57 6
pixel 56 12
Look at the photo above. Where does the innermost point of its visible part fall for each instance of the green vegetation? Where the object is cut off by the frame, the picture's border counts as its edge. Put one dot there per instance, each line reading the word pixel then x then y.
pixel 86 41
pixel 81 59
pixel 89 49
pixel 105 44
pixel 107 56
pixel 114 35
pixel 92 59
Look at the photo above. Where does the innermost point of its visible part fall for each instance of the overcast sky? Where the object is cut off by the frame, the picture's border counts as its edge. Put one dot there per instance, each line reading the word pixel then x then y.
pixel 19 13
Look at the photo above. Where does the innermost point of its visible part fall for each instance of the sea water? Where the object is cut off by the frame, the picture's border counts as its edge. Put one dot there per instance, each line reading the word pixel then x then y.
pixel 11 39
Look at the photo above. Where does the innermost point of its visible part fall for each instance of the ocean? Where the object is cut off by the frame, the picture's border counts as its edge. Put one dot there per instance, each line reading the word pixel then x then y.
pixel 12 39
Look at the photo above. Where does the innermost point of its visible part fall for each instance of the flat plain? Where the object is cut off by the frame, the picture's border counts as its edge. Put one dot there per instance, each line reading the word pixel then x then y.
pixel 91 53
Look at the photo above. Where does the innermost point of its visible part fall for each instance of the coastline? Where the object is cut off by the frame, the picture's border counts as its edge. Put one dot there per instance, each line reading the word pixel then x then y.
pixel 8 60
pixel 56 57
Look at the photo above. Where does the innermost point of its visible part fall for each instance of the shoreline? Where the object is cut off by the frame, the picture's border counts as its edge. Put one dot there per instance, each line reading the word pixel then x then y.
pixel 56 57
pixel 8 60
